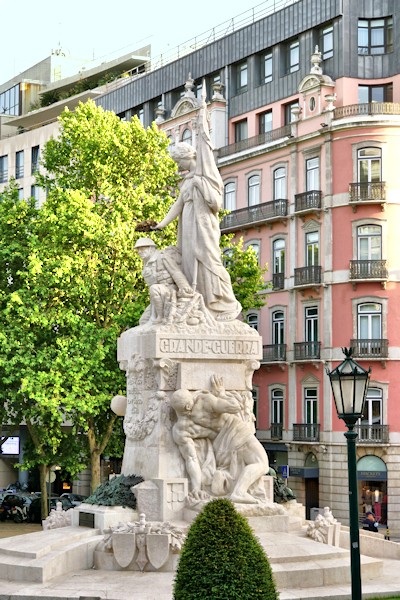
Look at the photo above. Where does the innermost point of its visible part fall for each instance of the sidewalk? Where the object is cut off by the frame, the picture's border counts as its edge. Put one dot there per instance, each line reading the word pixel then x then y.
pixel 8 528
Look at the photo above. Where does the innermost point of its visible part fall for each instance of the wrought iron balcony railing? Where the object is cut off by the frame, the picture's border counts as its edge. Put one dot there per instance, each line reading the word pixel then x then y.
pixel 278 281
pixel 368 269
pixel 259 213
pixel 3 176
pixel 376 348
pixel 276 431
pixel 19 172
pixel 307 350
pixel 307 275
pixel 372 434
pixel 306 432
pixel 367 192
pixel 369 108
pixel 257 140
pixel 274 353
pixel 308 201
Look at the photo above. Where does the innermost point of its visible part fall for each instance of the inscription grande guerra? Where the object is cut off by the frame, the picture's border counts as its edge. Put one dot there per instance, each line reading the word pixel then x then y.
pixel 209 346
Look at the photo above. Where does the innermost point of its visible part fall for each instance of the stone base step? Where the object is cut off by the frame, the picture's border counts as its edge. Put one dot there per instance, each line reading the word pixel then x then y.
pixel 39 557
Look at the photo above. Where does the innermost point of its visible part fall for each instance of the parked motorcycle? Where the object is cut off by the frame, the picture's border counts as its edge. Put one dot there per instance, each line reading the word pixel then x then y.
pixel 19 513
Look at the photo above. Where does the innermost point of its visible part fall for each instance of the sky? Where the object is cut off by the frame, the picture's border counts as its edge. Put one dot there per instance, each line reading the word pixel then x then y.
pixel 90 30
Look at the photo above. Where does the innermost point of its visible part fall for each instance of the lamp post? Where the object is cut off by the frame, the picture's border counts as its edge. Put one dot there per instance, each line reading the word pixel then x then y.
pixel 349 382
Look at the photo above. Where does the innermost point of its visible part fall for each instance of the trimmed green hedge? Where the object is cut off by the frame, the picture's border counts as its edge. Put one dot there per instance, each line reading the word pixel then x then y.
pixel 221 559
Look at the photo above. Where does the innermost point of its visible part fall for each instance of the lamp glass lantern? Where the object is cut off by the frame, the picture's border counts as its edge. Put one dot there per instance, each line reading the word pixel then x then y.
pixel 349 382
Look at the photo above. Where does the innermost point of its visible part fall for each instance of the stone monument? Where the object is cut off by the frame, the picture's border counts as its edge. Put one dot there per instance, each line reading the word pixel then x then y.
pixel 189 364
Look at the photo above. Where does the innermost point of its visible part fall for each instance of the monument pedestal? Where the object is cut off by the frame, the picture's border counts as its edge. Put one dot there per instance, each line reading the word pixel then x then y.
pixel 158 360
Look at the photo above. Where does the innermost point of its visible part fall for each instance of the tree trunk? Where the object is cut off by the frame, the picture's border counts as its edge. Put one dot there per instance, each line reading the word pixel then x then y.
pixel 43 472
pixel 95 468
pixel 96 448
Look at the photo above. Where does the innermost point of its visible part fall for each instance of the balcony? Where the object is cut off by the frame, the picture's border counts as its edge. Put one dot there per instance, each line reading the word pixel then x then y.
pixel 306 432
pixel 376 348
pixel 370 108
pixel 307 351
pixel 368 269
pixel 307 276
pixel 372 434
pixel 274 353
pixel 258 140
pixel 276 431
pixel 278 281
pixel 254 215
pixel 367 193
pixel 308 201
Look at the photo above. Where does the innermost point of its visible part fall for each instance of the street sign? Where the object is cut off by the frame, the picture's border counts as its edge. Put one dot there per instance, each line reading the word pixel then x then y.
pixel 285 471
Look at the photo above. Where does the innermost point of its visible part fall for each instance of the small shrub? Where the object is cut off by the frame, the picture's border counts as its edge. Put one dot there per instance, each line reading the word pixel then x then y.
pixel 222 560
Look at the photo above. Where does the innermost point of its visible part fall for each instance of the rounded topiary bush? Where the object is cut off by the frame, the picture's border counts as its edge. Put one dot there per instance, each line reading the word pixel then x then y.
pixel 222 560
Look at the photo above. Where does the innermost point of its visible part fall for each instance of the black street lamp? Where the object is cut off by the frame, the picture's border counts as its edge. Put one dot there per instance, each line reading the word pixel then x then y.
pixel 349 382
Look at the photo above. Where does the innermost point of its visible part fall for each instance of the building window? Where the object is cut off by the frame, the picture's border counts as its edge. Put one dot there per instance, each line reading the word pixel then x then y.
pixel 266 67
pixel 311 405
pixel 375 93
pixel 293 56
pixel 277 406
pixel 373 407
pixel 255 244
pixel 369 242
pixel 375 36
pixel 35 153
pixel 279 177
pixel 312 249
pixel 252 320
pixel 278 250
pixel 35 191
pixel 311 323
pixel 312 174
pixel 140 115
pixel 3 168
pixel 369 165
pixel 20 193
pixel 241 130
pixel 255 395
pixel 289 116
pixel 9 101
pixel 369 322
pixel 230 196
pixel 19 164
pixel 326 44
pixel 187 136
pixel 241 77
pixel 278 327
pixel 253 190
pixel 265 121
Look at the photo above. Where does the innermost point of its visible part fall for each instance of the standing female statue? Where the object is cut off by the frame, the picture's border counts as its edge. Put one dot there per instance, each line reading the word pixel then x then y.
pixel 197 207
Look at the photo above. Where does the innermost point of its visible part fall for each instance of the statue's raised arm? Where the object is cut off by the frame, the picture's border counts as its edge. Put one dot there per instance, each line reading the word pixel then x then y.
pixel 197 208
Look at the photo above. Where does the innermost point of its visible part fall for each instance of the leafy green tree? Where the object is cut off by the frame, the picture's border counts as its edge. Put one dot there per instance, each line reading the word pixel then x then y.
pixel 71 280
pixel 247 275
pixel 222 560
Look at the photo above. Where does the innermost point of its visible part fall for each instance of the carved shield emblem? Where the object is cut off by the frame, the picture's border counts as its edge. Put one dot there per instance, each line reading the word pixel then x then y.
pixel 124 547
pixel 157 549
